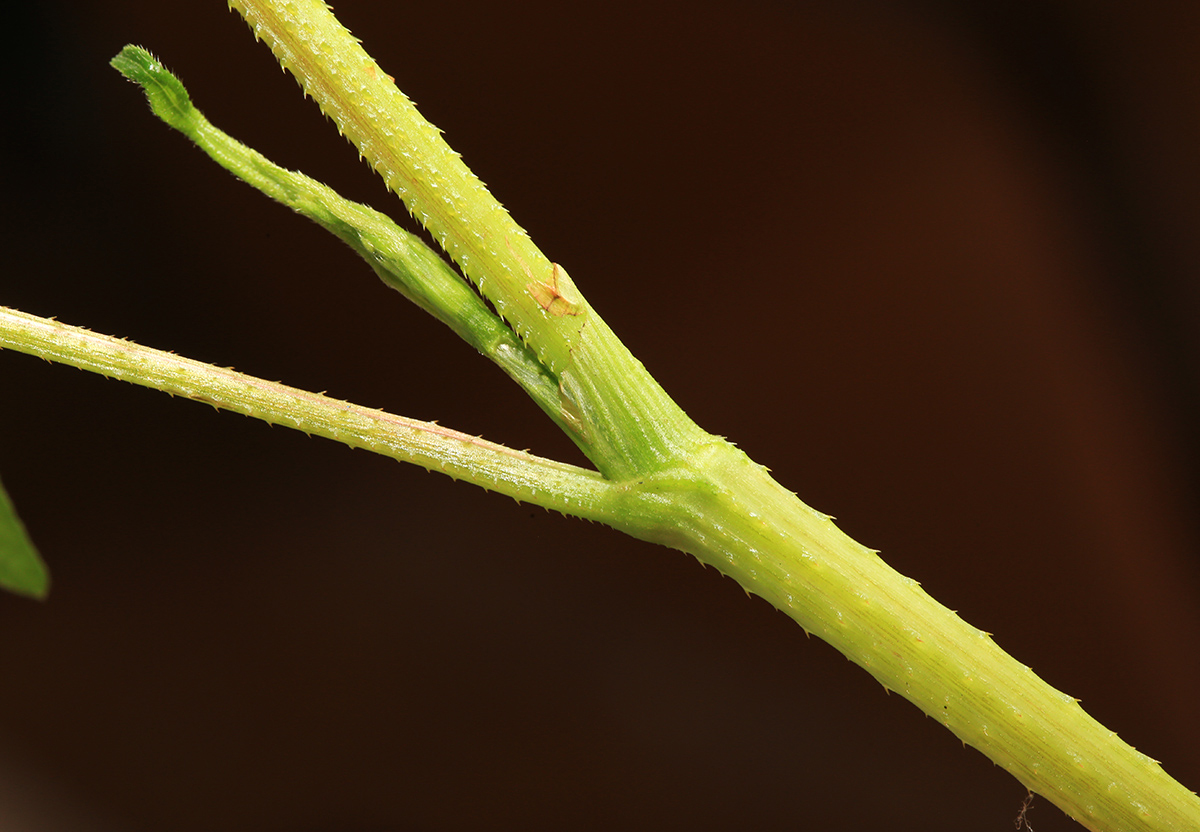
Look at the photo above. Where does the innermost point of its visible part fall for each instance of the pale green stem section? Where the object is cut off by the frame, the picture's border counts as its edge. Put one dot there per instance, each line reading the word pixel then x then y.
pixel 681 487
pixel 21 567
pixel 628 425
pixel 523 476
pixel 730 513
pixel 677 485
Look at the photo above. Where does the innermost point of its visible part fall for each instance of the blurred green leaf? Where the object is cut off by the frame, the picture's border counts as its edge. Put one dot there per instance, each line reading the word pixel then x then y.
pixel 21 568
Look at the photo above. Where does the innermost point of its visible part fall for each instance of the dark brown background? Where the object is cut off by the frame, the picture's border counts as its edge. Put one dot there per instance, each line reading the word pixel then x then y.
pixel 934 263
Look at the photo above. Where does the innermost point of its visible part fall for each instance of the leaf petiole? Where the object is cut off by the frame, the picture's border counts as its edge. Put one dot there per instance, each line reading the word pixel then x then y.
pixel 523 476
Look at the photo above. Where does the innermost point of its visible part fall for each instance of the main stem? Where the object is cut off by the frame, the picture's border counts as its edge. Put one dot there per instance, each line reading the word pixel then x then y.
pixel 730 513
pixel 687 489
pixel 669 482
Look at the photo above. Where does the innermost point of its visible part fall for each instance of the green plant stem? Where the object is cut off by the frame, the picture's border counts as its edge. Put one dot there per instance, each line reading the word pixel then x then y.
pixel 400 259
pixel 21 567
pixel 520 475
pixel 629 425
pixel 692 491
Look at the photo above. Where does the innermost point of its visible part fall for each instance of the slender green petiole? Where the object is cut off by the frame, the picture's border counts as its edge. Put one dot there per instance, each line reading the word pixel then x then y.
pixel 400 259
pixel 523 476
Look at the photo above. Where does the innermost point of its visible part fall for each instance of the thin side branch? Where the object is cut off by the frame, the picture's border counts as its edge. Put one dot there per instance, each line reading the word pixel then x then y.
pixel 523 476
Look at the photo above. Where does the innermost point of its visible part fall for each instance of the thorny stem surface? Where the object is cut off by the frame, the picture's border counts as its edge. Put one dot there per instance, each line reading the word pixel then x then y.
pixel 697 493
pixel 661 478
pixel 632 426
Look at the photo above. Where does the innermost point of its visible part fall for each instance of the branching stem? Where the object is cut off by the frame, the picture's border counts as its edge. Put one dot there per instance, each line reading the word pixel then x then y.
pixel 660 478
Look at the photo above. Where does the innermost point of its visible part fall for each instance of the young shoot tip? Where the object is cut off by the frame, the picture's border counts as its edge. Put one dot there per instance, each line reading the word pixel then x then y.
pixel 167 96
